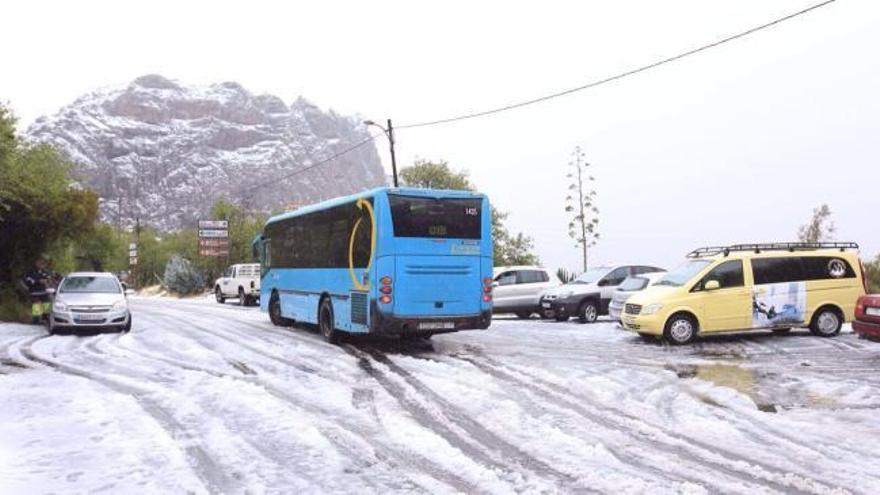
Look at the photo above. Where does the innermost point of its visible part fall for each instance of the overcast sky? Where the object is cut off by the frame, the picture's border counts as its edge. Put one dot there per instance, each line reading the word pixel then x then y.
pixel 737 144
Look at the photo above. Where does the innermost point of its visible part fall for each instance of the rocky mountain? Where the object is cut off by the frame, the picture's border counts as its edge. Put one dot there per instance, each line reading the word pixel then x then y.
pixel 164 152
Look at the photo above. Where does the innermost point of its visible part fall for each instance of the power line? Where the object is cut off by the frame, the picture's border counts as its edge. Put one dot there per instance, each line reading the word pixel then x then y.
pixel 621 75
pixel 310 167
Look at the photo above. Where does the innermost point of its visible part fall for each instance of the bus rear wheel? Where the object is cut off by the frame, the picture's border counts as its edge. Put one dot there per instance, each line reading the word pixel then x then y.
pixel 326 322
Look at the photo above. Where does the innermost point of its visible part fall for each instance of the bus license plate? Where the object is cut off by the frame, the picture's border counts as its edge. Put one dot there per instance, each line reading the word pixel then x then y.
pixel 436 325
pixel 872 311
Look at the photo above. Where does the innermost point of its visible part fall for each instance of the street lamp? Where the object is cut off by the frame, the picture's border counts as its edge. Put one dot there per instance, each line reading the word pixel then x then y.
pixel 390 133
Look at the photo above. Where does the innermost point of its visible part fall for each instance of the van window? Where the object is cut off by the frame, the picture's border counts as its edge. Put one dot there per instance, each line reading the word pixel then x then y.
pixel 728 274
pixel 683 273
pixel 826 267
pixel 777 270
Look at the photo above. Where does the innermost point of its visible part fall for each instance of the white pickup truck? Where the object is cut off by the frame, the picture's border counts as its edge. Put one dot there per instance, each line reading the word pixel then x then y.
pixel 240 282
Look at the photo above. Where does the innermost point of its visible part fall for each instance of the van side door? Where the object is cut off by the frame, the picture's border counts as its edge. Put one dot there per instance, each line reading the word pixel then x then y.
pixel 728 307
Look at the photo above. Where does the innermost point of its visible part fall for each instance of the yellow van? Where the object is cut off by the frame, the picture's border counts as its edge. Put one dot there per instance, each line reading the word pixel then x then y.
pixel 750 287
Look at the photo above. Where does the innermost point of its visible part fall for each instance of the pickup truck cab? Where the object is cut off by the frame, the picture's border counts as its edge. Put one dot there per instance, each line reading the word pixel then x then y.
pixel 242 282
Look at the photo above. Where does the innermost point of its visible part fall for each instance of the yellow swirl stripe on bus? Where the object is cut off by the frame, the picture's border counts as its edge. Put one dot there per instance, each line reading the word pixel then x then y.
pixel 361 203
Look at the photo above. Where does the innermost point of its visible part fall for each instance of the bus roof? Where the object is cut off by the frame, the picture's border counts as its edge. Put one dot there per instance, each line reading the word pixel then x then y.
pixel 410 191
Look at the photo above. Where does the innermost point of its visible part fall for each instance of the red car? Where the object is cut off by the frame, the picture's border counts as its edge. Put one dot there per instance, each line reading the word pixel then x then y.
pixel 867 322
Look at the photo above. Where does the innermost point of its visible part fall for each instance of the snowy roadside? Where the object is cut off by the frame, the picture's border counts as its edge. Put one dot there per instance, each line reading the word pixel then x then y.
pixel 212 398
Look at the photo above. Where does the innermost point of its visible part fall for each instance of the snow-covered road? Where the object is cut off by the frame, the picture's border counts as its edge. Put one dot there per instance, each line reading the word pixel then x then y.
pixel 206 398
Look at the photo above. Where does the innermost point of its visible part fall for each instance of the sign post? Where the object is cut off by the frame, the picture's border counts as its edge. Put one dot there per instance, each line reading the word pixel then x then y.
pixel 213 238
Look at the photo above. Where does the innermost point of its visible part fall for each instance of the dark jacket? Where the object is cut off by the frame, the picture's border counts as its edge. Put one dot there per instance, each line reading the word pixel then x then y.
pixel 37 281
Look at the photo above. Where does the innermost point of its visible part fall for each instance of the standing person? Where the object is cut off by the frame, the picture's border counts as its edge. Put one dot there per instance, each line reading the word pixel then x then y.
pixel 37 280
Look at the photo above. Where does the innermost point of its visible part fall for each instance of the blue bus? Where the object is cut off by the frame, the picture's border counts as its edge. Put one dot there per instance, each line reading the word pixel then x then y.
pixel 388 261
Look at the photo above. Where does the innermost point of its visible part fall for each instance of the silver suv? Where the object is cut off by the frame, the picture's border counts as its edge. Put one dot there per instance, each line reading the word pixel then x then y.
pixel 517 289
pixel 589 295
pixel 90 300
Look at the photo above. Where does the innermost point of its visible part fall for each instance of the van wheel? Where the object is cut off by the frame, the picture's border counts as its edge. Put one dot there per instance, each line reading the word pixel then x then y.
pixel 588 312
pixel 218 295
pixel 826 322
pixel 275 312
pixel 326 322
pixel 523 315
pixel 680 329
pixel 242 299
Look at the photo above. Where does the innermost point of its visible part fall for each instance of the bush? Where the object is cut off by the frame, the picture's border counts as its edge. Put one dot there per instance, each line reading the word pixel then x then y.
pixel 12 306
pixel 182 277
pixel 872 275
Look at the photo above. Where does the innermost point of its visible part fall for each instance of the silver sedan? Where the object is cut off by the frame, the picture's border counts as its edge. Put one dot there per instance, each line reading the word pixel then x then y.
pixel 90 300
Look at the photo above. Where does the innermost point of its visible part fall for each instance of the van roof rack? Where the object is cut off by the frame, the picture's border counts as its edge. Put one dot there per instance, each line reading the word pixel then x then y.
pixel 770 246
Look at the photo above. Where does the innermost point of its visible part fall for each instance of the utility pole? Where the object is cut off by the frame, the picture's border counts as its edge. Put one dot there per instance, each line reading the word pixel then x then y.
pixel 393 158
pixel 390 133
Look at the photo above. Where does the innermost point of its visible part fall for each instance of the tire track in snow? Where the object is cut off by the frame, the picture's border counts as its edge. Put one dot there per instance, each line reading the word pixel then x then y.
pixel 334 432
pixel 474 440
pixel 623 454
pixel 730 463
pixel 212 476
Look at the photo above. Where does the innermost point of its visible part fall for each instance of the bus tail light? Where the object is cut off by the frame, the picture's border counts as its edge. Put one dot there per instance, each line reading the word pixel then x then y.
pixel 487 289
pixel 385 289
pixel 384 299
pixel 487 297
pixel 386 280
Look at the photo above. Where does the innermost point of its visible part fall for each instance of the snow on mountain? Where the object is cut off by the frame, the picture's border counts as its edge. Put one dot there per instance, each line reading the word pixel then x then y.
pixel 164 152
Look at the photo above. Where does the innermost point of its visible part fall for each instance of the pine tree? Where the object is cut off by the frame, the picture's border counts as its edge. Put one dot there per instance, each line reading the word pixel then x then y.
pixel 584 226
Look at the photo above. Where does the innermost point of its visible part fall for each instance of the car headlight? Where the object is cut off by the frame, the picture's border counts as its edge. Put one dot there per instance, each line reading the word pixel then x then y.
pixel 59 305
pixel 119 305
pixel 651 309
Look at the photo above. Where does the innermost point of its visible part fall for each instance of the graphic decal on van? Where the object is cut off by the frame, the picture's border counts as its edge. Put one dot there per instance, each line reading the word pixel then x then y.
pixel 779 304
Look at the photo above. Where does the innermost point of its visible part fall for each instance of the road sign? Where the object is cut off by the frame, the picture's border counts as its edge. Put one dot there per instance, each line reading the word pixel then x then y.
pixel 132 260
pixel 132 253
pixel 218 242
pixel 208 251
pixel 213 224
pixel 213 233
pixel 132 245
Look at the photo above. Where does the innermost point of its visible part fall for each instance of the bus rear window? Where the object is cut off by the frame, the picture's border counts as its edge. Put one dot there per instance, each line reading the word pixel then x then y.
pixel 445 218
